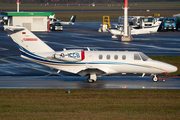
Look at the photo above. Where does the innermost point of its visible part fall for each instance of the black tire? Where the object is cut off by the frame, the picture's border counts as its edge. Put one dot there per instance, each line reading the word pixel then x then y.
pixel 90 80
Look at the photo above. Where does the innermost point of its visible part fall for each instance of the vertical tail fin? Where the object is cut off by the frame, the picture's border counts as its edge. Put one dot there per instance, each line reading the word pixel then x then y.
pixel 73 18
pixel 27 41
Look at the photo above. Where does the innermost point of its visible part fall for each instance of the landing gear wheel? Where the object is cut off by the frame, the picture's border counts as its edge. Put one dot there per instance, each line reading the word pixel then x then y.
pixel 90 80
pixel 155 78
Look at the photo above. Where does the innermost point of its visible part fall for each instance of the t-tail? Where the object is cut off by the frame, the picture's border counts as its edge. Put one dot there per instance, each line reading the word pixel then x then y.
pixel 27 42
pixel 73 18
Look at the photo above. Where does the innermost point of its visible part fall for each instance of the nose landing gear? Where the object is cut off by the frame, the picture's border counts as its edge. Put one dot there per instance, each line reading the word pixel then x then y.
pixel 155 78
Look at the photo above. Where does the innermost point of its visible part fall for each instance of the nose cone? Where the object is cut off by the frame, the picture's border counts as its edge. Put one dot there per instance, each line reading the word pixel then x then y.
pixel 168 67
pixel 171 68
pixel 165 67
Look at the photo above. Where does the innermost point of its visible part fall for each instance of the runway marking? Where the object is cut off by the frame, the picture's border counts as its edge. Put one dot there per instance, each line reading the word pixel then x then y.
pixel 3 49
pixel 150 46
pixel 61 44
pixel 70 46
pixel 2 59
pixel 6 60
pixel 94 39
pixel 44 71
pixel 112 41
pixel 162 48
pixel 74 35
pixel 158 38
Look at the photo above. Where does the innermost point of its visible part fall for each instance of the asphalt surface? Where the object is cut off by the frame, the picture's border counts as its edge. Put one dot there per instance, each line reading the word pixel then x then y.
pixel 19 73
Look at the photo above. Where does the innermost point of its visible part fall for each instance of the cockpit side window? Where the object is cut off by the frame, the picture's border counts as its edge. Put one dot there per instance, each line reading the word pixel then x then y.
pixel 136 57
pixel 144 57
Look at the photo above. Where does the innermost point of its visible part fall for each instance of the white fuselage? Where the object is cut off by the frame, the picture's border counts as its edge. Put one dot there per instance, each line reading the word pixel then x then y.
pixel 63 22
pixel 60 21
pixel 85 63
pixel 108 62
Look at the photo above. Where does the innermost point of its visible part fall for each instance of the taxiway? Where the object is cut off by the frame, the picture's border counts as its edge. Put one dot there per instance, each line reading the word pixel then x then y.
pixel 16 72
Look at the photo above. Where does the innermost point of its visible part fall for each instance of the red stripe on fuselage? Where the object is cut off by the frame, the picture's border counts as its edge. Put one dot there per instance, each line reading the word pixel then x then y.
pixel 30 39
pixel 82 55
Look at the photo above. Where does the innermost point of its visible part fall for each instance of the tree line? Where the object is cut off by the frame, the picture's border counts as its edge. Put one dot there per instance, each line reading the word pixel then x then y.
pixel 79 1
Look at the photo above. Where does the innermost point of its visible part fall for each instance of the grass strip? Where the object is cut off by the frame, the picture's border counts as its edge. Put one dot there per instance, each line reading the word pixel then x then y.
pixel 91 104
pixel 97 15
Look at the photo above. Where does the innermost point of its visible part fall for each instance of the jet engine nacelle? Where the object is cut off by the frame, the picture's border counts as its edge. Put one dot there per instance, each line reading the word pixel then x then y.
pixel 70 55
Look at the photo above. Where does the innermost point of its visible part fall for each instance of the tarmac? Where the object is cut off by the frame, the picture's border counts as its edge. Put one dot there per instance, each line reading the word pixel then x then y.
pixel 19 73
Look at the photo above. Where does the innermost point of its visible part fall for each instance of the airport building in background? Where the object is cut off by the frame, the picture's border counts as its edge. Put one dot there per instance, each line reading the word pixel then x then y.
pixel 34 21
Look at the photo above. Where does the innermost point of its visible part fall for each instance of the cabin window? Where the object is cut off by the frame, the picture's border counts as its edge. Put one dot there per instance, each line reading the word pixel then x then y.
pixel 100 56
pixel 136 57
pixel 108 57
pixel 124 57
pixel 115 57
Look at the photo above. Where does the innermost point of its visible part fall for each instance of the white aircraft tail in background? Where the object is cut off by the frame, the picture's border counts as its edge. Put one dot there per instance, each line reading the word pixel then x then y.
pixel 86 63
pixel 70 22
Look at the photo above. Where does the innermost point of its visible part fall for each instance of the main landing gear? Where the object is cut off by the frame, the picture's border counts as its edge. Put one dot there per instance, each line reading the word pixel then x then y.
pixel 92 78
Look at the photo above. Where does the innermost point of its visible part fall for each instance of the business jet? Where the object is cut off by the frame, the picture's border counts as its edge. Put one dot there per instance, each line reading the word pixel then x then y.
pixel 86 62
pixel 134 30
pixel 70 22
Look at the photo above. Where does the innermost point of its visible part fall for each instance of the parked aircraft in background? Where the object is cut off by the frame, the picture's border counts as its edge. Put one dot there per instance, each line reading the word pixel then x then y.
pixel 86 62
pixel 3 19
pixel 70 22
pixel 135 30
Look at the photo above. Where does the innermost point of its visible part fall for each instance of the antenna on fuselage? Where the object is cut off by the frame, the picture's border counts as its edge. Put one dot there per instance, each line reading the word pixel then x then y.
pixel 88 49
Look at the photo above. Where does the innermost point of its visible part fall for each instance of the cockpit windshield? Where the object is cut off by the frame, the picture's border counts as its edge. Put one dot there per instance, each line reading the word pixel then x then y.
pixel 169 20
pixel 148 19
pixel 144 57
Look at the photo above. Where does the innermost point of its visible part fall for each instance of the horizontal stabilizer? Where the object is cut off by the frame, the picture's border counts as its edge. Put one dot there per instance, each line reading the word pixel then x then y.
pixel 14 29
